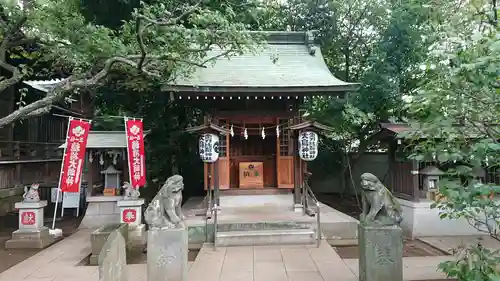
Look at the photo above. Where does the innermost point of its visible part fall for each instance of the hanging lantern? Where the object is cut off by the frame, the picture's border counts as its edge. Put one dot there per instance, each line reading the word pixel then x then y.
pixel 245 134
pixel 308 145
pixel 263 133
pixel 209 148
pixel 231 131
pixel 278 131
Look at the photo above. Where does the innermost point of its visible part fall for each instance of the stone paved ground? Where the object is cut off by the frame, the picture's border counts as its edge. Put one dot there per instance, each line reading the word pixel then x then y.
pixel 293 263
pixel 9 223
pixel 446 243
pixel 62 262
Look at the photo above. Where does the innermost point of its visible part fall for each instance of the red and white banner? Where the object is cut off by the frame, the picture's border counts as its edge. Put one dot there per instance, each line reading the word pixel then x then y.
pixel 74 155
pixel 135 151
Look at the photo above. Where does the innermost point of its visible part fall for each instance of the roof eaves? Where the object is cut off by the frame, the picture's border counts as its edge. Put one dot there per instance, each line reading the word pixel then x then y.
pixel 311 124
pixel 204 127
pixel 348 87
pixel 95 144
pixel 44 85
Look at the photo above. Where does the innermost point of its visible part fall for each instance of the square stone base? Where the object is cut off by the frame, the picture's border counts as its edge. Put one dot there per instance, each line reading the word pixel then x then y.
pixel 167 258
pixel 137 235
pixel 298 208
pixel 380 253
pixel 31 240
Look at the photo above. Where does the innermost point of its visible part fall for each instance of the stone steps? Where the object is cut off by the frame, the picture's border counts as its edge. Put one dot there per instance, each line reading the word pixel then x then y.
pixel 266 237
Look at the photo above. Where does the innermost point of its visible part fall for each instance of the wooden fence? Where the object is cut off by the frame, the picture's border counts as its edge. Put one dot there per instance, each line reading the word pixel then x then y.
pixel 23 163
pixel 407 182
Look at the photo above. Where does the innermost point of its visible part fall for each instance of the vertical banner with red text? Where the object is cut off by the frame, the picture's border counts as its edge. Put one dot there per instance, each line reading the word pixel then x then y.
pixel 74 155
pixel 135 150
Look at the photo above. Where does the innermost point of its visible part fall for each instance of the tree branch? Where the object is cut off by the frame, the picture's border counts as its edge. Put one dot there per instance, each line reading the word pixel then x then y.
pixel 172 21
pixel 8 35
pixel 139 36
pixel 16 77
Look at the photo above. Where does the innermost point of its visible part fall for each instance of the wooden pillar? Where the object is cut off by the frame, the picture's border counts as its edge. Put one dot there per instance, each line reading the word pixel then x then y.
pixel 46 165
pixel 216 183
pixel 416 191
pixel 391 160
pixel 296 171
pixel 207 180
pixel 17 154
pixel 90 174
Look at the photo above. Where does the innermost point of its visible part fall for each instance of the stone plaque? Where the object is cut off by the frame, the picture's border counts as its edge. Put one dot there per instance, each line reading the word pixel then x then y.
pixel 129 215
pixel 167 254
pixel 113 258
pixel 28 218
pixel 380 253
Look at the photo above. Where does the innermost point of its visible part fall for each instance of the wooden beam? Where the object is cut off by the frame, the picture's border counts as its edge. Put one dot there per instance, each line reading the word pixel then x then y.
pixel 310 124
pixel 253 113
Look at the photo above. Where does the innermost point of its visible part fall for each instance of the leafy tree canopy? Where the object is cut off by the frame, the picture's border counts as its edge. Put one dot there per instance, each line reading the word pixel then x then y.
pixel 161 40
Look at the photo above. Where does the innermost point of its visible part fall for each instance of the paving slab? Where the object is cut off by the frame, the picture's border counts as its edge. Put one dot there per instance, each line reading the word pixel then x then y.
pixel 61 262
pixel 414 268
pixel 447 243
pixel 271 263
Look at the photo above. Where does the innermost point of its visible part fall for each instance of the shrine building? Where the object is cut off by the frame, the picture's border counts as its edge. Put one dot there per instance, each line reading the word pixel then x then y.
pixel 253 102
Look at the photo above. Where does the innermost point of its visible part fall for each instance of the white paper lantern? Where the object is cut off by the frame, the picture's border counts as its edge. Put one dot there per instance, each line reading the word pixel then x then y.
pixel 308 145
pixel 209 148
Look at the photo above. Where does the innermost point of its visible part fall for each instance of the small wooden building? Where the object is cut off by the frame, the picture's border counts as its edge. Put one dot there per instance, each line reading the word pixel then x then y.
pixel 29 149
pixel 407 181
pixel 256 98
pixel 405 175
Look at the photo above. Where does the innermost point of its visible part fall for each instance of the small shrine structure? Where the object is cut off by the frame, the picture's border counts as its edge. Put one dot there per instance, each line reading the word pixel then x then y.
pixel 106 169
pixel 416 184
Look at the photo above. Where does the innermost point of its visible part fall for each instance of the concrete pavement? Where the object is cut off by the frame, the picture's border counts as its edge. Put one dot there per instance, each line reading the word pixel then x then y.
pixel 64 262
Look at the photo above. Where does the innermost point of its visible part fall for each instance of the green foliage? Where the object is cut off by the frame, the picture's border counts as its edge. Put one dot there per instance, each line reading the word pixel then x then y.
pixel 156 43
pixel 454 116
pixel 169 148
pixel 474 263
pixel 470 200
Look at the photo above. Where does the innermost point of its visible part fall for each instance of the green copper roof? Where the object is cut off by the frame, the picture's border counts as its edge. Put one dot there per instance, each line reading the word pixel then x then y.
pixel 288 62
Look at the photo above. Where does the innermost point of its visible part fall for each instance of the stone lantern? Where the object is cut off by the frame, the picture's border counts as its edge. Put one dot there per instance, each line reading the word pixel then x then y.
pixel 111 181
pixel 431 175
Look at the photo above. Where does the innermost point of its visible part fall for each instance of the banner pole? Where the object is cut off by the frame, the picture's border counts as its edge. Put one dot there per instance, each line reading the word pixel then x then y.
pixel 128 152
pixel 60 177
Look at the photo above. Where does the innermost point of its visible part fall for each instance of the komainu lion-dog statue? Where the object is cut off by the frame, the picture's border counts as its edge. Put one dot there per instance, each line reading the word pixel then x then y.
pixel 165 209
pixel 380 208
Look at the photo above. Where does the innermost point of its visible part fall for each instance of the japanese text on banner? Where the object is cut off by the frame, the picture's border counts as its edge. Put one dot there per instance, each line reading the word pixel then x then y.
pixel 135 150
pixel 74 155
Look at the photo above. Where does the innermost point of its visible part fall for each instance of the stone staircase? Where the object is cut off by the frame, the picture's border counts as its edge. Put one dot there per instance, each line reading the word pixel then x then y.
pixel 258 234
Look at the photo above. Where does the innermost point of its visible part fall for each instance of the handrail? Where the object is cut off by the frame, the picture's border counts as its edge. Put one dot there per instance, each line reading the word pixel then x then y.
pixel 307 192
pixel 209 209
pixel 208 215
pixel 212 208
pixel 215 225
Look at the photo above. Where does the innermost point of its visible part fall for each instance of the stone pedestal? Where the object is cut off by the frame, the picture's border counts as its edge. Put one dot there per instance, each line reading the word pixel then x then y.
pixel 99 237
pixel 298 208
pixel 167 254
pixel 31 233
pixel 100 211
pixel 131 214
pixel 380 253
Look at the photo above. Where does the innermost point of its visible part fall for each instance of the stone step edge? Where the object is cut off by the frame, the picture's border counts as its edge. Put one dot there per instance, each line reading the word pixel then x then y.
pixel 268 232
